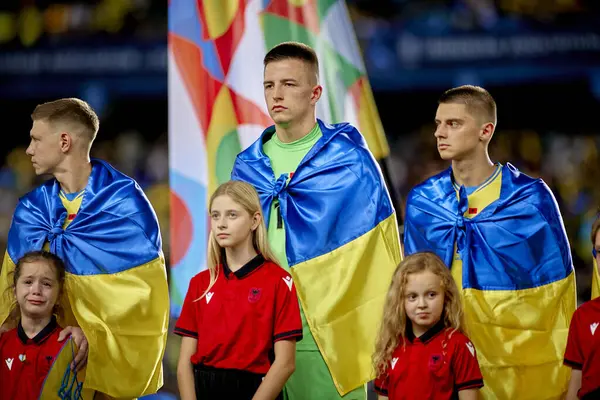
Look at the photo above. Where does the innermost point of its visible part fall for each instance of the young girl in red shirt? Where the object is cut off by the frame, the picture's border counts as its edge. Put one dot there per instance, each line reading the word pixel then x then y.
pixel 582 354
pixel 422 352
pixel 240 319
pixel 29 352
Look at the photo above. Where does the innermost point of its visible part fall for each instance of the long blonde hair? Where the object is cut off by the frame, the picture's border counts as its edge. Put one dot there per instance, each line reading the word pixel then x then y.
pixel 243 194
pixel 393 326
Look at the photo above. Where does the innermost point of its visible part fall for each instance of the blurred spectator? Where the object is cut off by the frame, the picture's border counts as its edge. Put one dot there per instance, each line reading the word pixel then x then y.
pixel 36 22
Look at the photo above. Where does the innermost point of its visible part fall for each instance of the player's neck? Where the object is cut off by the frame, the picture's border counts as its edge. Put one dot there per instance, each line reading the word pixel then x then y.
pixel 34 325
pixel 73 176
pixel 291 132
pixel 239 256
pixel 472 172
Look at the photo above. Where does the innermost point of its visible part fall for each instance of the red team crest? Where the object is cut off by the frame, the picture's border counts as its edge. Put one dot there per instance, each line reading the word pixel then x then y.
pixel 435 362
pixel 254 295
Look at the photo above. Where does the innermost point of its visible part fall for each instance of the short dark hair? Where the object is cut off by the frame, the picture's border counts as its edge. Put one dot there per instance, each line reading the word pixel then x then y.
pixel 69 110
pixel 478 101
pixel 296 50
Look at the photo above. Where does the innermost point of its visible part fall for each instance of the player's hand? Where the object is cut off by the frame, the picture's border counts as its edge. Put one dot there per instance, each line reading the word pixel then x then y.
pixel 80 341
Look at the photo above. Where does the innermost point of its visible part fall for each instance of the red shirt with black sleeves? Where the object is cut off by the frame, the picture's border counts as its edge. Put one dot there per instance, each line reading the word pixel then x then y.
pixel 435 366
pixel 242 316
pixel 584 338
pixel 590 373
pixel 26 362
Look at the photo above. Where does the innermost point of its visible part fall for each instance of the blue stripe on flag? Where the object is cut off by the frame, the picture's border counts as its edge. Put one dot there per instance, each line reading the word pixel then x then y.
pixel 184 21
pixel 193 194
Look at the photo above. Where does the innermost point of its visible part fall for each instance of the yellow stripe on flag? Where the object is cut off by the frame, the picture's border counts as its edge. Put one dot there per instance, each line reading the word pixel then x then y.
pixel 370 123
pixel 342 294
pixel 8 301
pixel 521 337
pixel 222 122
pixel 54 380
pixel 218 15
pixel 123 318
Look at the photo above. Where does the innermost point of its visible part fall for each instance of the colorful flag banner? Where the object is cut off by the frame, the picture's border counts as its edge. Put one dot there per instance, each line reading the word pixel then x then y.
pixel 216 102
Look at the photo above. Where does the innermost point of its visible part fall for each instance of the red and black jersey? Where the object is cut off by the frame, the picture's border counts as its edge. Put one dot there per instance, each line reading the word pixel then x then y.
pixel 245 312
pixel 435 366
pixel 582 345
pixel 26 361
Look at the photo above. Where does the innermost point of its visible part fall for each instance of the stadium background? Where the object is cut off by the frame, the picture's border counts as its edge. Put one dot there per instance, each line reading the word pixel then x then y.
pixel 539 59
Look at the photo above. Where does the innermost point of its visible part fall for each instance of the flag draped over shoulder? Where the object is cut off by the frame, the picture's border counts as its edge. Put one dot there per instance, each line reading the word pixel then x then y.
pixel 518 279
pixel 115 283
pixel 216 100
pixel 341 242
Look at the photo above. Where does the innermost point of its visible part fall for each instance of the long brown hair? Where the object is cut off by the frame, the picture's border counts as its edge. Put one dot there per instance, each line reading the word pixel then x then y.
pixel 33 256
pixel 243 194
pixel 393 326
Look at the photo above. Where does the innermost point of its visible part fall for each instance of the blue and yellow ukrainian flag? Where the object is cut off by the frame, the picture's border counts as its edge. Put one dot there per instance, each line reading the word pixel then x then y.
pixel 62 382
pixel 341 242
pixel 517 278
pixel 116 287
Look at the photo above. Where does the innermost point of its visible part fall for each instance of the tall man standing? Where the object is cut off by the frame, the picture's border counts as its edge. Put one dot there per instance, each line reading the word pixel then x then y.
pixel 101 224
pixel 330 221
pixel 502 235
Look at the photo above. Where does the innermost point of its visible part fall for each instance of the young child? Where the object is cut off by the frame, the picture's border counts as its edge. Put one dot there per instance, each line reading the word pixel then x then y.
pixel 240 319
pixel 29 352
pixel 583 346
pixel 422 352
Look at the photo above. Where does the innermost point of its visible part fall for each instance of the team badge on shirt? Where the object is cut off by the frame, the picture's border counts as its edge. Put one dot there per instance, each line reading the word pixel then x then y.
pixel 435 361
pixel 288 282
pixel 593 328
pixel 254 295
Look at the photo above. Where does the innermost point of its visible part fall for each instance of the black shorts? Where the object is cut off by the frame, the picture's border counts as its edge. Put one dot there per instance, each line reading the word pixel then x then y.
pixel 593 395
pixel 226 384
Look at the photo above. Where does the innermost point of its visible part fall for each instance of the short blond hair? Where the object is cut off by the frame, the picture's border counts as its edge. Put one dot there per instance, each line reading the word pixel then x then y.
pixel 70 111
pixel 479 102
